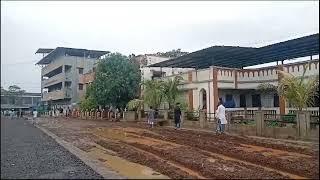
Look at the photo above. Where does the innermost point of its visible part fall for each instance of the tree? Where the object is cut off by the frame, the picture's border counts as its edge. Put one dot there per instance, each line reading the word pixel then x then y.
pixel 3 91
pixel 153 93
pixel 171 90
pixel 88 103
pixel 117 81
pixel 135 104
pixel 15 94
pixel 298 91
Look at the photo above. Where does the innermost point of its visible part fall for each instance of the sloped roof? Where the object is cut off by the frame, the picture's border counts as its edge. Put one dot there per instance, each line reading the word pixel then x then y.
pixel 238 57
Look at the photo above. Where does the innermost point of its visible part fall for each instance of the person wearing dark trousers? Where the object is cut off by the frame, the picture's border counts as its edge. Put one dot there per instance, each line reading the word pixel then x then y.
pixel 177 116
pixel 221 117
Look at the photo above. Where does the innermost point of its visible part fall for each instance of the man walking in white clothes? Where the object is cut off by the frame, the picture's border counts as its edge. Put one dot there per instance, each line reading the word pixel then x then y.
pixel 221 117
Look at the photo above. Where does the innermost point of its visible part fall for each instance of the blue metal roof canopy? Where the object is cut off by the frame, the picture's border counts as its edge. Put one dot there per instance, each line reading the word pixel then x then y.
pixel 238 57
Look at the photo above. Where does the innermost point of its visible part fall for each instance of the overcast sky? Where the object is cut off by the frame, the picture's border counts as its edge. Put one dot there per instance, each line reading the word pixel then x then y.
pixel 141 27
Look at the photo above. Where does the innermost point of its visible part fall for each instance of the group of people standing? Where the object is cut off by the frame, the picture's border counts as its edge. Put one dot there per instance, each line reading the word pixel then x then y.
pixel 220 116
pixel 61 111
pixel 153 113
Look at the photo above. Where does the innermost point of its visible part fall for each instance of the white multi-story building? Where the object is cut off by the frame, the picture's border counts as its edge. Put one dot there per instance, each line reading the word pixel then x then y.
pixel 61 71
pixel 148 73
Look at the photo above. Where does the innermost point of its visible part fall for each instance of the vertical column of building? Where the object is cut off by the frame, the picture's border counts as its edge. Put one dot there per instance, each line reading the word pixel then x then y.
pixel 235 79
pixel 190 92
pixel 282 101
pixel 215 87
pixel 63 74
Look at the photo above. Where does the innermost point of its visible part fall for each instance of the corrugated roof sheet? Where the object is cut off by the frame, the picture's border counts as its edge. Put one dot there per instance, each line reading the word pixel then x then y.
pixel 238 57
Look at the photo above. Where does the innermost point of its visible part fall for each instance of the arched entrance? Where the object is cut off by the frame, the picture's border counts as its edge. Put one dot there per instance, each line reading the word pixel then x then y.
pixel 203 99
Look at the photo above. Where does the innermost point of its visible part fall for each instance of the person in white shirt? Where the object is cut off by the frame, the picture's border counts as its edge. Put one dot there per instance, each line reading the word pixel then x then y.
pixel 221 117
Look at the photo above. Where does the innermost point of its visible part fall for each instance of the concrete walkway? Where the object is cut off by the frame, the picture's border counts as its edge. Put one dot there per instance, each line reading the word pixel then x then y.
pixel 26 152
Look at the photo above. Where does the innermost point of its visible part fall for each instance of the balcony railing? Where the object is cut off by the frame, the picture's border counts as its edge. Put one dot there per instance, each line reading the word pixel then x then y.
pixel 59 94
pixel 54 80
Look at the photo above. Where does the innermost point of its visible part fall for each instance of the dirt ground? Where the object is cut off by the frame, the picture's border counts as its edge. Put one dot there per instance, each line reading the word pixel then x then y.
pixel 186 153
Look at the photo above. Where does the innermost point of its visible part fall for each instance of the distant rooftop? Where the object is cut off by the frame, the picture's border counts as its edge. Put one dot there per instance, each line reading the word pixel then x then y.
pixel 239 57
pixel 44 50
pixel 24 94
pixel 68 51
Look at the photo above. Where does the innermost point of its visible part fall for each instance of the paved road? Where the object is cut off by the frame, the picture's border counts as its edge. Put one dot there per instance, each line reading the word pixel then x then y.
pixel 26 152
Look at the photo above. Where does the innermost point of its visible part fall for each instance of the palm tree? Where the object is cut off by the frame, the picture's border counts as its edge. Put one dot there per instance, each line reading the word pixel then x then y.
pixel 171 90
pixel 153 92
pixel 298 91
pixel 135 104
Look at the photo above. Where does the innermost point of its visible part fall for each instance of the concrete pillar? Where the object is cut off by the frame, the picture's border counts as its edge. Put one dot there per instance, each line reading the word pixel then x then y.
pixel 102 114
pixel 183 118
pixel 215 88
pixel 97 114
pixel 139 115
pixel 303 124
pixel 259 118
pixel 235 79
pixel 202 119
pixel 190 92
pixel 166 115
pixel 282 101
pixel 228 117
pixel 245 112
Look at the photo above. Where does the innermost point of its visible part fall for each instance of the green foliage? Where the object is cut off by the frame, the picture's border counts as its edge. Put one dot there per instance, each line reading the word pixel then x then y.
pixel 183 104
pixel 171 90
pixel 273 123
pixel 192 116
pixel 289 118
pixel 298 90
pixel 156 92
pixel 117 81
pixel 172 53
pixel 153 93
pixel 3 91
pixel 267 88
pixel 135 104
pixel 15 94
pixel 88 103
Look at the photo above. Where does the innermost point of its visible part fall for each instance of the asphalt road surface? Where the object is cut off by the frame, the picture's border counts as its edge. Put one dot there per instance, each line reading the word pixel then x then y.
pixel 26 152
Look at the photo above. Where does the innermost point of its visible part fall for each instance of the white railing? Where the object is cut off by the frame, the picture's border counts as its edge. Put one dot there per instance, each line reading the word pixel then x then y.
pixel 275 110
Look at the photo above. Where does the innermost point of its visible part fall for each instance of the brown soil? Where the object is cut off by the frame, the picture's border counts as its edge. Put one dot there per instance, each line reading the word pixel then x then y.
pixel 294 163
pixel 189 153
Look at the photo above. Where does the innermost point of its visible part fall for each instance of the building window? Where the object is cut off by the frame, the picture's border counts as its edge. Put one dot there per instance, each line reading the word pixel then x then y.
pixel 256 100
pixel 243 101
pixel 80 86
pixel 80 70
pixel 229 101
pixel 275 100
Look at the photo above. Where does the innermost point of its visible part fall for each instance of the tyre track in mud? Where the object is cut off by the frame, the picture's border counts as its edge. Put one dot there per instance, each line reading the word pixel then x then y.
pixel 231 138
pixel 128 152
pixel 210 166
pixel 204 145
pixel 193 158
pixel 306 166
pixel 214 155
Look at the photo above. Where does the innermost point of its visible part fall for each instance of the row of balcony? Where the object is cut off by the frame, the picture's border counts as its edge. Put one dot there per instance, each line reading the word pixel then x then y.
pixel 56 79
pixel 64 93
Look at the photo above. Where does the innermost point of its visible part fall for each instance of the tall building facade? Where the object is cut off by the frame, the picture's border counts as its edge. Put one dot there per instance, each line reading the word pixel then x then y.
pixel 61 71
